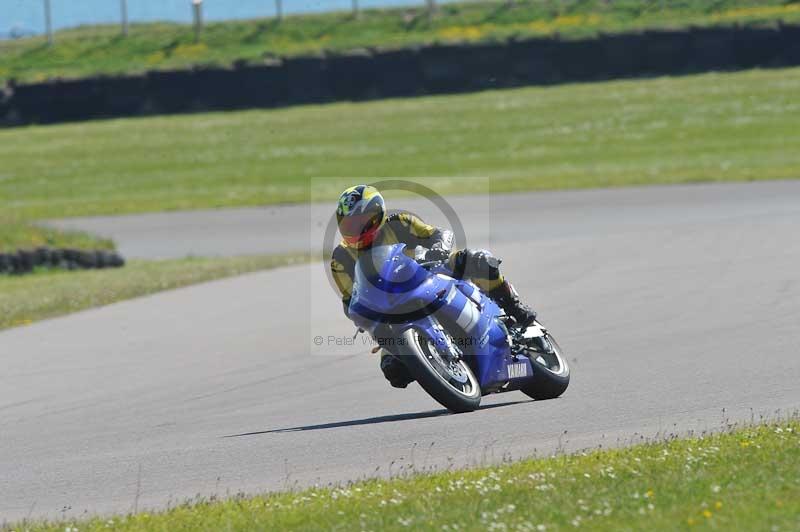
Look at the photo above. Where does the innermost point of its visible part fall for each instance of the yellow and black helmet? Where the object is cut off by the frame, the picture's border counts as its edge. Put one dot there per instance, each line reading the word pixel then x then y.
pixel 360 212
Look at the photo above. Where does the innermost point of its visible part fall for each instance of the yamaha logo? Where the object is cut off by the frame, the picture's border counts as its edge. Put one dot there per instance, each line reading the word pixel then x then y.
pixel 516 371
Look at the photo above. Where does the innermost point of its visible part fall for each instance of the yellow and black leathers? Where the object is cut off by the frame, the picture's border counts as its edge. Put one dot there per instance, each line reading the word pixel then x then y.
pixel 403 227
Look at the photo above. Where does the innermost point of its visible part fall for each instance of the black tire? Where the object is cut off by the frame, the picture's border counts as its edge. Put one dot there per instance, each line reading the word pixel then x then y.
pixel 547 383
pixel 115 260
pixel 26 261
pixel 56 258
pixel 87 260
pixel 42 256
pixel 101 259
pixel 412 353
pixel 6 265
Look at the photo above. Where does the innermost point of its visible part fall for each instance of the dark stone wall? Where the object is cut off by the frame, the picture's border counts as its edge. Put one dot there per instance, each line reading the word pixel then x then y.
pixel 362 75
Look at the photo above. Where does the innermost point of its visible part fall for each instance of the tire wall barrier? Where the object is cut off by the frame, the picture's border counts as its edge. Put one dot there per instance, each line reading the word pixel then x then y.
pixel 438 69
pixel 25 261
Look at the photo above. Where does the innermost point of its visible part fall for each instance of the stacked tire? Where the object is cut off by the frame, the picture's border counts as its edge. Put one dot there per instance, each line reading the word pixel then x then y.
pixel 26 261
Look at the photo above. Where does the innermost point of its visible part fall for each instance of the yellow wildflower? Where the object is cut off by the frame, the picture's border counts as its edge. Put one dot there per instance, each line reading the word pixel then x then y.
pixel 756 11
pixel 568 20
pixel 155 57
pixel 462 33
pixel 190 51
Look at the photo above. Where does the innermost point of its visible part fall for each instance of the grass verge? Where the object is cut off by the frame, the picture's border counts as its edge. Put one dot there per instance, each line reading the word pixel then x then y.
pixel 746 479
pixel 711 127
pixel 86 51
pixel 18 235
pixel 47 294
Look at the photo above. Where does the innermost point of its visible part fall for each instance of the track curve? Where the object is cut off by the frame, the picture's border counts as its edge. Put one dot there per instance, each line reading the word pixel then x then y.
pixel 667 300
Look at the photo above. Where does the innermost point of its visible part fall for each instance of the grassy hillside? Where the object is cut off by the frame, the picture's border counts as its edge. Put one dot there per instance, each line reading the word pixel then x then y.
pixel 100 49
pixel 713 127
pixel 744 480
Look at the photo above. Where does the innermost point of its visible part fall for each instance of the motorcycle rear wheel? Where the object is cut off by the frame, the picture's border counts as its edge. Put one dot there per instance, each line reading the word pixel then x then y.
pixel 450 382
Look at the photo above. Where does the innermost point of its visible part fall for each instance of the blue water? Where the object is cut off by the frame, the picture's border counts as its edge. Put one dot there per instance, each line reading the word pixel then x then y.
pixel 26 17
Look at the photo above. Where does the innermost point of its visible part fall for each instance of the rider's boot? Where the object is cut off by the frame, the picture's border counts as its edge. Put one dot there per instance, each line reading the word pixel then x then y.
pixel 395 371
pixel 508 299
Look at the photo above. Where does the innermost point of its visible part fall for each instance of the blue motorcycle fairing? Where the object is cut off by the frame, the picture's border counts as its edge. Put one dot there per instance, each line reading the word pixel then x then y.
pixel 389 286
pixel 484 338
pixel 391 280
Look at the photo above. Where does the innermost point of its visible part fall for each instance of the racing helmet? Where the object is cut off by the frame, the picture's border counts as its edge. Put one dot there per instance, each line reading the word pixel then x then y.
pixel 360 213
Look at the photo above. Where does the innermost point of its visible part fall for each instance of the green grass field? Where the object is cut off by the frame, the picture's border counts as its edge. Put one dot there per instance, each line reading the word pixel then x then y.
pixel 711 127
pixel 748 479
pixel 47 294
pixel 91 50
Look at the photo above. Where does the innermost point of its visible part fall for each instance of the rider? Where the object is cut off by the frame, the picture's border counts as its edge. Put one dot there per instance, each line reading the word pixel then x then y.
pixel 363 223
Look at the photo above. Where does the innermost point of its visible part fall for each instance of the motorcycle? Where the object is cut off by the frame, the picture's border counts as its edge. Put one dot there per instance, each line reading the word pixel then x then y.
pixel 455 341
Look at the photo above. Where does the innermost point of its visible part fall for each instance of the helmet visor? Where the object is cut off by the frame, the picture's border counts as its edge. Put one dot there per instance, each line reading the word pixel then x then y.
pixel 354 226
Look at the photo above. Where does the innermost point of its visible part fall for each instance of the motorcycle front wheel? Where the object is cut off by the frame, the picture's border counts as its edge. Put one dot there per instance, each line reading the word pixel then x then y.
pixel 550 369
pixel 446 378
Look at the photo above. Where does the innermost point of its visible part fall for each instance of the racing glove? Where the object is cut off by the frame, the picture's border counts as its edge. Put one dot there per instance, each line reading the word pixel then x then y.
pixel 441 249
pixel 436 253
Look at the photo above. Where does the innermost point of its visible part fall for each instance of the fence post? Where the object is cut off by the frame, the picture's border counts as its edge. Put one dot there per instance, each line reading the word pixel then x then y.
pixel 48 22
pixel 355 9
pixel 279 9
pixel 431 7
pixel 123 7
pixel 197 10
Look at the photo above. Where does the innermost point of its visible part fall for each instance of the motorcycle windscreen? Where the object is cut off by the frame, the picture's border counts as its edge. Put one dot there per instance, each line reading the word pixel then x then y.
pixel 390 287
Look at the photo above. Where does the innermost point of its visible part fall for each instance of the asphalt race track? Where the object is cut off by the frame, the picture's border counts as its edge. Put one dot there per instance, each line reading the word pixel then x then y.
pixel 678 306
